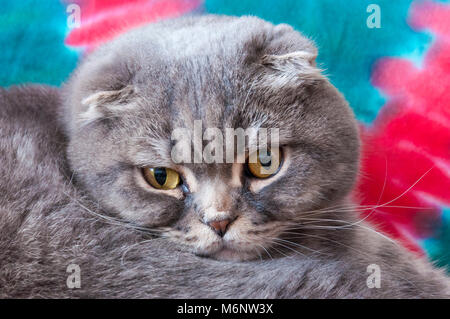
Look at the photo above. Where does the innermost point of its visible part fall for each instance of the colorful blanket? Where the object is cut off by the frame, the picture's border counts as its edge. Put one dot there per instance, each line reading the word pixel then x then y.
pixel 391 59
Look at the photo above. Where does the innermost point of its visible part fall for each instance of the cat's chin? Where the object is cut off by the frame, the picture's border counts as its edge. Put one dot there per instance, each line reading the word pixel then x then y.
pixel 228 254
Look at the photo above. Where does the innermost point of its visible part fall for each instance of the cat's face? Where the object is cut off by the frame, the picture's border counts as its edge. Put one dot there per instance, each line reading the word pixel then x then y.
pixel 127 98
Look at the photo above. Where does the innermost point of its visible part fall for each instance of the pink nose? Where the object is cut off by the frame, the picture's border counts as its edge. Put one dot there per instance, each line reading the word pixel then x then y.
pixel 220 226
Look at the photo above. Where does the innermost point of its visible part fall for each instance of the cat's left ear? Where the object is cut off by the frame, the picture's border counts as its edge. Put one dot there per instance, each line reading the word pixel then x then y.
pixel 106 103
pixel 295 67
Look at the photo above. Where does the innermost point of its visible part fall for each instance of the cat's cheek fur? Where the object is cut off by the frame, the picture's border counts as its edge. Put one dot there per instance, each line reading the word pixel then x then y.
pixel 248 241
pixel 195 237
pixel 243 240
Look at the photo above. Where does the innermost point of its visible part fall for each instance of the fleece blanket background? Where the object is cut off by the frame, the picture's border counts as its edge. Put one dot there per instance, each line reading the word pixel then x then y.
pixel 396 78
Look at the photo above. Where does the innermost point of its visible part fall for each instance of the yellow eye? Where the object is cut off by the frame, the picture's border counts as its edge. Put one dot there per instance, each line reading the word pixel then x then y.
pixel 264 164
pixel 161 177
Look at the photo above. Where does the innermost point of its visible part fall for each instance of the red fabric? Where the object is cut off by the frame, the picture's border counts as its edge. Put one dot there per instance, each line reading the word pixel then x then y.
pixel 102 20
pixel 410 140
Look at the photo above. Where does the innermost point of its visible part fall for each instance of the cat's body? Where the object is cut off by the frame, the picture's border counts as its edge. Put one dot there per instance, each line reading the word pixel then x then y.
pixel 47 223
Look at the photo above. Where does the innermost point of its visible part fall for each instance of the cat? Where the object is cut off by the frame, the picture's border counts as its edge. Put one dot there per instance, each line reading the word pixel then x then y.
pixel 87 177
pixel 126 99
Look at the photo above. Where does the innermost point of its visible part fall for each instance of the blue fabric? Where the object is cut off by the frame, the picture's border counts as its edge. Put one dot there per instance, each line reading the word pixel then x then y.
pixel 32 46
pixel 437 247
pixel 347 47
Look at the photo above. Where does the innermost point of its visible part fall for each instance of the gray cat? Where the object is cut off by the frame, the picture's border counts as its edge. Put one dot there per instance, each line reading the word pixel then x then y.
pixel 88 177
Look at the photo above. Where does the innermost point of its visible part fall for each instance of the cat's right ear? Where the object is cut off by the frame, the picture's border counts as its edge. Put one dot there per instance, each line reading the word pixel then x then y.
pixel 292 68
pixel 106 104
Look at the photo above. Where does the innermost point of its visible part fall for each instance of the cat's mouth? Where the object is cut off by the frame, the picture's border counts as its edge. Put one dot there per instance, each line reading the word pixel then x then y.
pixel 240 241
pixel 232 255
pixel 227 250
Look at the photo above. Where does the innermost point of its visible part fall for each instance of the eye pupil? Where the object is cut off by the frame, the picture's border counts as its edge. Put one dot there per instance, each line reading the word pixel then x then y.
pixel 161 177
pixel 160 174
pixel 266 164
pixel 265 159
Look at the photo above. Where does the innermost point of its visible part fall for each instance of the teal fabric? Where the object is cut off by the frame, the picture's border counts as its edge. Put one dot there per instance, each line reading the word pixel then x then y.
pixel 32 46
pixel 347 47
pixel 437 247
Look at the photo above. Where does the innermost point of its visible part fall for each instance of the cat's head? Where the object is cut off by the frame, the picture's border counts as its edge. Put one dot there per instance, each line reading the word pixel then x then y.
pixel 129 97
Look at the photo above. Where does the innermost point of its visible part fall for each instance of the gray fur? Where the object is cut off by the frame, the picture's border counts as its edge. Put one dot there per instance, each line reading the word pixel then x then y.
pixel 124 101
pixel 138 88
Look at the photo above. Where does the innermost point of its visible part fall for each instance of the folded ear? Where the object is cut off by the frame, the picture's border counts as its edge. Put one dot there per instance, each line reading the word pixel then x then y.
pixel 106 103
pixel 295 67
